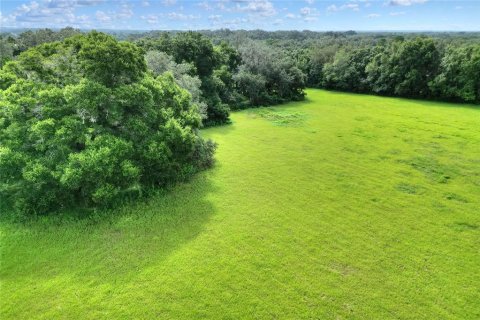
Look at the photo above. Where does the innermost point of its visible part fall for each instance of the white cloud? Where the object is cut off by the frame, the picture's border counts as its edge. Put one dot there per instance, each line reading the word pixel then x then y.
pixel 49 13
pixel 332 8
pixel 290 16
pixel 310 2
pixel 150 18
pixel 169 2
pixel 52 13
pixel 231 23
pixel 397 13
pixel 257 7
pixel 215 17
pixel 373 15
pixel 305 11
pixel 405 2
pixel 85 3
pixel 309 14
pixel 352 6
pixel 347 6
pixel 205 5
pixel 180 16
pixel 277 22
pixel 125 11
pixel 103 17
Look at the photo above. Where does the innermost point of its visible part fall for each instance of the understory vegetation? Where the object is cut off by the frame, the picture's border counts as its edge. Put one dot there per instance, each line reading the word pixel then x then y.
pixel 342 206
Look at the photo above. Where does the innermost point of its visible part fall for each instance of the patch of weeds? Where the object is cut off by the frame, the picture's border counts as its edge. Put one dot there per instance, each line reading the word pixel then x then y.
pixel 455 197
pixel 404 173
pixel 342 268
pixel 409 188
pixel 464 226
pixel 362 118
pixel 356 150
pixel 363 133
pixel 394 151
pixel 282 117
pixel 441 207
pixel 434 147
pixel 307 148
pixel 431 168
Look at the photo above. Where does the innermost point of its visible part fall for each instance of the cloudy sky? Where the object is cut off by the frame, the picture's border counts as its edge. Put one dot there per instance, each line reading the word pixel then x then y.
pixel 244 14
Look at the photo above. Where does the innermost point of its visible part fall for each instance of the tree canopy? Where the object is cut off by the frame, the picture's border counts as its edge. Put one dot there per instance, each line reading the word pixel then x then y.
pixel 81 121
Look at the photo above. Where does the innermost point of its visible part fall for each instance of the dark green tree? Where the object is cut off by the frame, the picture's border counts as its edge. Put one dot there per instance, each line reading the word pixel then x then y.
pixel 459 78
pixel 93 137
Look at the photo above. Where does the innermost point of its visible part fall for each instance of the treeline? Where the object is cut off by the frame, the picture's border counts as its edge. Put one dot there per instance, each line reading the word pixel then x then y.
pixel 225 69
pixel 12 45
pixel 435 65
pixel 229 77
pixel 417 68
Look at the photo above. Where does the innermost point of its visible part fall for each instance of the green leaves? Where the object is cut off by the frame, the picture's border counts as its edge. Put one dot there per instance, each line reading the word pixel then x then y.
pixel 460 74
pixel 109 62
pixel 90 137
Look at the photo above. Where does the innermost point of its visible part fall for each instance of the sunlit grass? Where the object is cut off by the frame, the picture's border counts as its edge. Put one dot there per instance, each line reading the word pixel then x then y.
pixel 341 206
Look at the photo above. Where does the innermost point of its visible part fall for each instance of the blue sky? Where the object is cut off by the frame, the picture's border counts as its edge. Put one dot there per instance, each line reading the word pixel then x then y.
pixel 244 14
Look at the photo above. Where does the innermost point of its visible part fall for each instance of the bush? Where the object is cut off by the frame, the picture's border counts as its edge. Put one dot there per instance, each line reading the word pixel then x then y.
pixel 89 137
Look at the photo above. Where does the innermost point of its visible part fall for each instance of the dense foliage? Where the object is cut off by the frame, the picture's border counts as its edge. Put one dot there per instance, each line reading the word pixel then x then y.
pixel 232 76
pixel 82 122
pixel 267 76
pixel 277 65
pixel 198 51
pixel 416 68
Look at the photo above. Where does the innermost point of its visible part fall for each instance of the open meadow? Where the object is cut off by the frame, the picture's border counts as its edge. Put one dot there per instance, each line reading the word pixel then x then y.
pixel 342 206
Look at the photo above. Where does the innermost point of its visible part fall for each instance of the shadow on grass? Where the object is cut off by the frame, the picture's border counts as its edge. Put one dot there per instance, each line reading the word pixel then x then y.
pixel 109 246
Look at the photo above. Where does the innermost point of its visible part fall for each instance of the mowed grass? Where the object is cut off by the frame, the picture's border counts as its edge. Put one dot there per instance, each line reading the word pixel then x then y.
pixel 339 207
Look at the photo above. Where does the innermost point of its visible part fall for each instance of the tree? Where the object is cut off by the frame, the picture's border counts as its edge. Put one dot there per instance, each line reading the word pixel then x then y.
pixel 29 39
pixel 459 78
pixel 107 61
pixel 94 140
pixel 318 57
pixel 6 51
pixel 416 64
pixel 250 85
pixel 283 80
pixel 347 71
pixel 404 68
pixel 194 49
pixel 160 62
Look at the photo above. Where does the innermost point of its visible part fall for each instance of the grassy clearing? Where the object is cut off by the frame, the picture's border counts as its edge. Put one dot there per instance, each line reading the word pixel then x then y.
pixel 342 206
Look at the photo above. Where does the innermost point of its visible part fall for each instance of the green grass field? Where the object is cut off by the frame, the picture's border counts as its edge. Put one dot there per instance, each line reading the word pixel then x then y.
pixel 343 206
